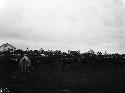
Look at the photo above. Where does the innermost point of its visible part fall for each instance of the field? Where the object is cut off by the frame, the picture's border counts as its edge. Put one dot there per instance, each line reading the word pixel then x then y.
pixel 46 78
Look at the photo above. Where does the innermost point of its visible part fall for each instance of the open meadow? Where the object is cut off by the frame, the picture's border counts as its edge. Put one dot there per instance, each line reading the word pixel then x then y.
pixel 49 78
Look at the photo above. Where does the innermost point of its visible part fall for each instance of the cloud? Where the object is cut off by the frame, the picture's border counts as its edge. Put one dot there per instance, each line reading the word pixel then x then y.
pixel 64 24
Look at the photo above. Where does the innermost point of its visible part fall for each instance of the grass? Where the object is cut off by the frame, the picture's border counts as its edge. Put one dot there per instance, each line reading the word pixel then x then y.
pixel 46 78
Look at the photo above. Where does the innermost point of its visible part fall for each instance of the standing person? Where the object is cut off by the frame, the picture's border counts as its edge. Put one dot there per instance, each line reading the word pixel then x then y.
pixel 24 65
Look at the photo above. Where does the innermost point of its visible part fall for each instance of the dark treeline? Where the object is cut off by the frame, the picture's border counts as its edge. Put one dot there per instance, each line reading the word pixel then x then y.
pixel 60 58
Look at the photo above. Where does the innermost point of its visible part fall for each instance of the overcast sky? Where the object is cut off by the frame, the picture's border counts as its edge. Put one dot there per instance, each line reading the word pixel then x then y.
pixel 64 24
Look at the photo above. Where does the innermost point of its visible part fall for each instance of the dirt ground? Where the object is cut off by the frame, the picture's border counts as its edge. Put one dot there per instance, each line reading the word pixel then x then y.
pixel 45 78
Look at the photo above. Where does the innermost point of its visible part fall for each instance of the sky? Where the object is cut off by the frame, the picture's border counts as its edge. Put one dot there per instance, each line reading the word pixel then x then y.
pixel 64 24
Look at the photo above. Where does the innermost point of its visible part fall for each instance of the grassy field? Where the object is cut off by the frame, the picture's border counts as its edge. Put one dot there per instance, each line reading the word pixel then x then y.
pixel 46 78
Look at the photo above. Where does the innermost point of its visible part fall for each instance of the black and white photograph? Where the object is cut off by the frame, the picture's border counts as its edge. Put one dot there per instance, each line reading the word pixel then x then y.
pixel 62 46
